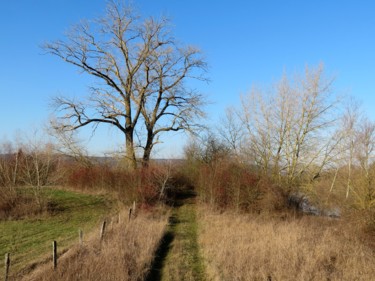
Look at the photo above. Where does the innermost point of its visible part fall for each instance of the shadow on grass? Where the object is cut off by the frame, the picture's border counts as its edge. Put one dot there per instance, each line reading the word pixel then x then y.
pixel 161 253
pixel 177 198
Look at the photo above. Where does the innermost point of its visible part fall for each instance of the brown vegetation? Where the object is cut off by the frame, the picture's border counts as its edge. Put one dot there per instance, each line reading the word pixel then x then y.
pixel 147 186
pixel 34 166
pixel 248 247
pixel 126 253
pixel 224 181
pixel 17 204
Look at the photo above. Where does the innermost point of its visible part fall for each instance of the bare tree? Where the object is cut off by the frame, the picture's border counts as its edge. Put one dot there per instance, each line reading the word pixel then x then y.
pixel 9 165
pixel 365 149
pixel 141 72
pixel 39 165
pixel 349 127
pixel 69 145
pixel 289 130
pixel 231 130
pixel 257 119
pixel 365 141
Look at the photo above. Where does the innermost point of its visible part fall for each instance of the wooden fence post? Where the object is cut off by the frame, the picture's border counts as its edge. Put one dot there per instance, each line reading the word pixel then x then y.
pixel 7 265
pixel 134 207
pixel 130 213
pixel 54 254
pixel 80 234
pixel 102 230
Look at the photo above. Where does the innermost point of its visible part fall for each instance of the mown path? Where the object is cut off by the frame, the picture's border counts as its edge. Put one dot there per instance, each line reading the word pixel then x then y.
pixel 178 257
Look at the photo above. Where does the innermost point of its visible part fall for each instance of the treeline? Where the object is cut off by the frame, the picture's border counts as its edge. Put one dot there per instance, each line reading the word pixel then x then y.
pixel 297 137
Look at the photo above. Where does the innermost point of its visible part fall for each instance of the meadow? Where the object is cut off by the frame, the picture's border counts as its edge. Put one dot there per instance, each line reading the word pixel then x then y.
pixel 185 220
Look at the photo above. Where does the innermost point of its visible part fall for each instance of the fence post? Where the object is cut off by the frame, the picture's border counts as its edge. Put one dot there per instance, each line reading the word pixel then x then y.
pixel 7 265
pixel 80 234
pixel 54 254
pixel 130 213
pixel 102 229
pixel 134 207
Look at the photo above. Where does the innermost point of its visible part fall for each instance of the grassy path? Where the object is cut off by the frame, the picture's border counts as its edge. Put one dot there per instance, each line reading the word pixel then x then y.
pixel 178 257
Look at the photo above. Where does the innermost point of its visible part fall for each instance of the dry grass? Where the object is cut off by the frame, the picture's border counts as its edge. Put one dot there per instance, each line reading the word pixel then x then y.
pixel 125 254
pixel 248 247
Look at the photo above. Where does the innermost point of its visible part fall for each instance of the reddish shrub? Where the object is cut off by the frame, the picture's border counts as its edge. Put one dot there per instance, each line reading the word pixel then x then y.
pixel 227 184
pixel 142 185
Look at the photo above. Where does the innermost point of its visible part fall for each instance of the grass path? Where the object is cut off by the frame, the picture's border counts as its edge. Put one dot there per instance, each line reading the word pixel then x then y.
pixel 178 257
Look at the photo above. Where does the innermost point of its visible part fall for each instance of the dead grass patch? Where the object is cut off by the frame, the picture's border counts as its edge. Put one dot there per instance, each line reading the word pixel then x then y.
pixel 249 247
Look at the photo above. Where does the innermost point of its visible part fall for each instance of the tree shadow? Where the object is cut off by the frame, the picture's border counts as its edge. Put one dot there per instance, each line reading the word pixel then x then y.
pixel 176 198
pixel 161 253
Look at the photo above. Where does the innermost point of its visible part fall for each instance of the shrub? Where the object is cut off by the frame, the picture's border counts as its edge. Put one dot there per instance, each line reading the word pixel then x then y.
pixel 142 185
pixel 227 184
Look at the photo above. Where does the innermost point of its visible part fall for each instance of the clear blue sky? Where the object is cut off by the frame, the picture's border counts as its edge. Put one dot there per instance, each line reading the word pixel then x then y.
pixel 245 43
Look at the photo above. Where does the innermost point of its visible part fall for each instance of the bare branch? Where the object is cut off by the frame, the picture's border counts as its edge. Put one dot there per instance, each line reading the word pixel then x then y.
pixel 140 72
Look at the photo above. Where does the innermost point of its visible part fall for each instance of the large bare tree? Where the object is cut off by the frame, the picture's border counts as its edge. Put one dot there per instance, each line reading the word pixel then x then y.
pixel 141 73
pixel 290 131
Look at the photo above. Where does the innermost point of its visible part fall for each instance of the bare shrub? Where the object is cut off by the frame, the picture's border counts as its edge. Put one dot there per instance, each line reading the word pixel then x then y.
pixel 226 183
pixel 263 248
pixel 146 185
pixel 15 204
pixel 32 165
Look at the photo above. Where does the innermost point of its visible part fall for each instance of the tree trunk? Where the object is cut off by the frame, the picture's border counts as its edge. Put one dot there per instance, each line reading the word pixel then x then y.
pixel 130 158
pixel 148 148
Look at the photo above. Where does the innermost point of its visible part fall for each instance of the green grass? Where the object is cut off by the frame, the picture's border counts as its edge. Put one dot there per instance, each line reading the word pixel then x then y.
pixel 183 261
pixel 30 240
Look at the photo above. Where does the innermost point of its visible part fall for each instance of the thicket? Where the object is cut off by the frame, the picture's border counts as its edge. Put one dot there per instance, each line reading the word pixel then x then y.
pixel 298 137
pixel 33 166
pixel 147 186
pixel 223 181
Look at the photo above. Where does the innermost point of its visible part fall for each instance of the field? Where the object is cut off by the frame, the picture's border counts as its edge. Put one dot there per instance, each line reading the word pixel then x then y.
pixel 125 253
pixel 194 221
pixel 248 247
pixel 29 239
pixel 198 243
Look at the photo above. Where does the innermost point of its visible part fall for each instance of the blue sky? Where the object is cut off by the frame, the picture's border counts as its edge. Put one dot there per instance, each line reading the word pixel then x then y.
pixel 245 43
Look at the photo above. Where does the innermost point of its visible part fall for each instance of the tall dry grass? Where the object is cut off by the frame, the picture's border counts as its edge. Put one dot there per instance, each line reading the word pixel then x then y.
pixel 248 247
pixel 125 254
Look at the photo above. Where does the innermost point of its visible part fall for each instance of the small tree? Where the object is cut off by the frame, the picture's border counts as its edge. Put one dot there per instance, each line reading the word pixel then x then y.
pixel 141 72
